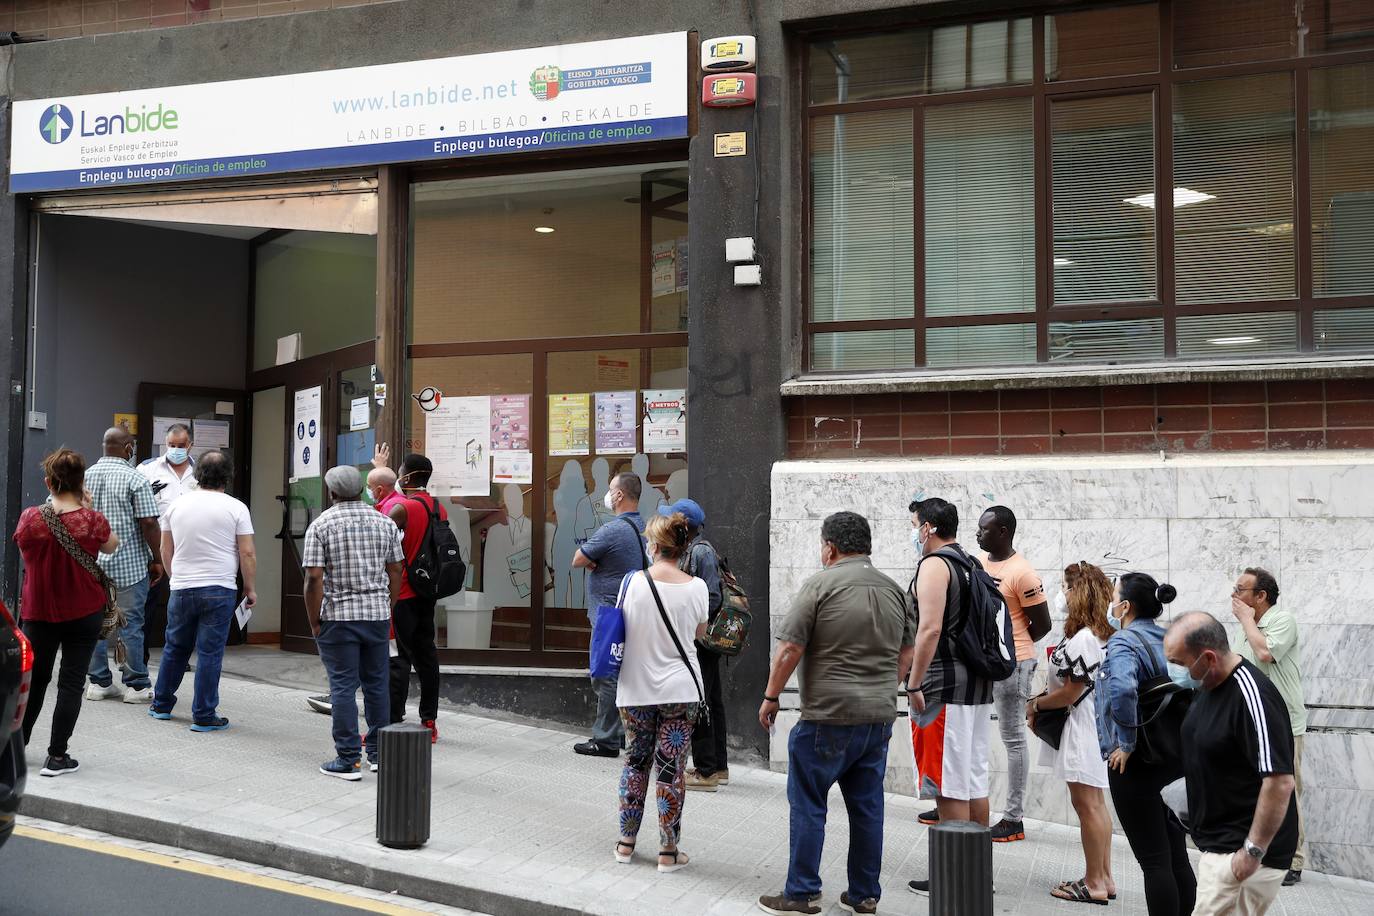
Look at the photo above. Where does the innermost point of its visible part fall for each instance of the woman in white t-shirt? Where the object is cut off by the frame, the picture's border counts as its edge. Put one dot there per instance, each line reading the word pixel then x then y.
pixel 660 687
pixel 1078 761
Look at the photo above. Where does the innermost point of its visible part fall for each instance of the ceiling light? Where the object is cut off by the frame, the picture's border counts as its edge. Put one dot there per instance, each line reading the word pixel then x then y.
pixel 1063 262
pixel 1232 341
pixel 1182 198
pixel 543 230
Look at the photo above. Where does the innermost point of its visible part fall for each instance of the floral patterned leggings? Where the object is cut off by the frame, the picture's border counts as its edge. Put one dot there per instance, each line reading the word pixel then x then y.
pixel 659 735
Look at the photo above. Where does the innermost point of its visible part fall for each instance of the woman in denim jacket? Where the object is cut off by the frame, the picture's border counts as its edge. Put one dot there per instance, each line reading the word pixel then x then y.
pixel 1157 840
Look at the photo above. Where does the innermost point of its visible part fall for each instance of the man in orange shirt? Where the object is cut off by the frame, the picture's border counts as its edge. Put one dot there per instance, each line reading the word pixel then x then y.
pixel 1030 619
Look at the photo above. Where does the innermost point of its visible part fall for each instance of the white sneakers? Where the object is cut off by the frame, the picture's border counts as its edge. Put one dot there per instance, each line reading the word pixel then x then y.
pixel 96 692
pixel 138 696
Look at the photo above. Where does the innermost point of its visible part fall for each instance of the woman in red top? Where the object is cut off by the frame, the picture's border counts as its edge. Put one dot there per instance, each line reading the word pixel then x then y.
pixel 62 605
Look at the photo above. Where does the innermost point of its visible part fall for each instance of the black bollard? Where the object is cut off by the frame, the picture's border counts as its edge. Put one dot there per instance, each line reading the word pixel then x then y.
pixel 960 869
pixel 403 786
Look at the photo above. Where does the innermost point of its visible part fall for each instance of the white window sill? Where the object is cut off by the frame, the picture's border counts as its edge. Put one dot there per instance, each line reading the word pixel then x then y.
pixel 1043 376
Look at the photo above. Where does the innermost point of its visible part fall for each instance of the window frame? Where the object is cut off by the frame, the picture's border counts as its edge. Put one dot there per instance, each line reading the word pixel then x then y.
pixel 1161 84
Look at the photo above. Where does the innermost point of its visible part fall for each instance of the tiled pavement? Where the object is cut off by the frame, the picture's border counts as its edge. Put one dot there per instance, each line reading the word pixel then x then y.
pixel 520 823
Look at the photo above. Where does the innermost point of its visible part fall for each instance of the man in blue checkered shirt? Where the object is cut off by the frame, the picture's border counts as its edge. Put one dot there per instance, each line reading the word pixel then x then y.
pixel 352 559
pixel 124 496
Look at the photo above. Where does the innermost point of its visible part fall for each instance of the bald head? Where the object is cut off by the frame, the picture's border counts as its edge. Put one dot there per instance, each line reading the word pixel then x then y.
pixel 117 441
pixel 381 483
pixel 1198 642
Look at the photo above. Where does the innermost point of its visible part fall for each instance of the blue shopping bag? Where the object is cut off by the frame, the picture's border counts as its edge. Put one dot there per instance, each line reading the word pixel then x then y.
pixel 608 636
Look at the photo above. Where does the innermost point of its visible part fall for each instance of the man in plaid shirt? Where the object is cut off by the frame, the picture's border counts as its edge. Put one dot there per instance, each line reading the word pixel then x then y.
pixel 123 495
pixel 352 561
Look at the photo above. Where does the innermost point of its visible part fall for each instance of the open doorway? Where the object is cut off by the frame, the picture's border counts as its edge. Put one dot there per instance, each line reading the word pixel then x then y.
pixel 212 307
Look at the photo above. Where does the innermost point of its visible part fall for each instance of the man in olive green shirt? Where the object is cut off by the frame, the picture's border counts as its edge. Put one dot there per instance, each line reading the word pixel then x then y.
pixel 1269 641
pixel 852 629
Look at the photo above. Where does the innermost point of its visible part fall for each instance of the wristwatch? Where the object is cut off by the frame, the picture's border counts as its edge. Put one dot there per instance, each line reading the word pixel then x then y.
pixel 768 699
pixel 1253 851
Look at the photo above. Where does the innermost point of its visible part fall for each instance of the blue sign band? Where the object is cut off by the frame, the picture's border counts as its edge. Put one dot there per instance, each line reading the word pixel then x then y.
pixel 416 150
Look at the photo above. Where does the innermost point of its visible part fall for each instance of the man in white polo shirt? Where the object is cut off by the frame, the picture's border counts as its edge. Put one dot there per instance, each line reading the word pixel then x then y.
pixel 207 538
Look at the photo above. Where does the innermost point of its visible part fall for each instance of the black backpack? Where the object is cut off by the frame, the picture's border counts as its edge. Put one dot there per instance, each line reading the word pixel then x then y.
pixel 984 640
pixel 437 570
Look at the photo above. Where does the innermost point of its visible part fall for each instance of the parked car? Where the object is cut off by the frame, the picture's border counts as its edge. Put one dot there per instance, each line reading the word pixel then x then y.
pixel 16 668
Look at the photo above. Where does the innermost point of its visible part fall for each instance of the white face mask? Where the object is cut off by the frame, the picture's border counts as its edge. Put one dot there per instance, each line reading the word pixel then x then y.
pixel 609 503
pixel 1061 603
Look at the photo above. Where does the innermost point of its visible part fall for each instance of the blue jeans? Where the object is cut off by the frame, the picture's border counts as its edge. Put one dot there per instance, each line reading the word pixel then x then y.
pixel 197 618
pixel 134 673
pixel 356 652
pixel 818 756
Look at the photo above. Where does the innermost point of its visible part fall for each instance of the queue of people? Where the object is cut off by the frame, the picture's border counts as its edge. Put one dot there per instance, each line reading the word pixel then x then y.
pixel 852 633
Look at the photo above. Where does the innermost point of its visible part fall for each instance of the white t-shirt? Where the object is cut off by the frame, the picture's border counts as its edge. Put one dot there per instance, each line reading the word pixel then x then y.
pixel 205 526
pixel 652 672
pixel 157 470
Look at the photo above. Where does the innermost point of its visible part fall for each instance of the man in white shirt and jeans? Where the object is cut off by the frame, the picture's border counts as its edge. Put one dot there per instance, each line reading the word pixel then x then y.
pixel 207 537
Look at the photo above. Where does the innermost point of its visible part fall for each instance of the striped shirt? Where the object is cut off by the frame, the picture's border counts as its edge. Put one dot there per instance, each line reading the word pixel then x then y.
pixel 948 679
pixel 353 543
pixel 123 496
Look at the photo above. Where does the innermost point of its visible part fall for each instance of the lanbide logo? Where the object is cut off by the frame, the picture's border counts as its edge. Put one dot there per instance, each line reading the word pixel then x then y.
pixel 55 124
pixel 130 122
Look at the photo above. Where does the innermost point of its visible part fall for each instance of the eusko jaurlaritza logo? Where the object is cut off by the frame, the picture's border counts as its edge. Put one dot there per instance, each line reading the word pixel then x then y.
pixel 55 123
pixel 545 82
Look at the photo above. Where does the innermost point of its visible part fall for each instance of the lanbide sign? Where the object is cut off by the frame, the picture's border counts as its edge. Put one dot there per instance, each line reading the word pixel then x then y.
pixel 624 90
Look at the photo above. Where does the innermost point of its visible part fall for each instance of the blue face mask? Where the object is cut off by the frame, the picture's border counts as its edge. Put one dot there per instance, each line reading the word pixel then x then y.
pixel 1112 619
pixel 916 540
pixel 177 455
pixel 1183 677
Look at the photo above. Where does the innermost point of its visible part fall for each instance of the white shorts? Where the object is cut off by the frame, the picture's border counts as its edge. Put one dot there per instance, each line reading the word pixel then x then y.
pixel 951 751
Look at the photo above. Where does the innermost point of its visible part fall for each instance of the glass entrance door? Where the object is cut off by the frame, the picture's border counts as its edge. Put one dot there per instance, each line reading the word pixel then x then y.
pixel 331 419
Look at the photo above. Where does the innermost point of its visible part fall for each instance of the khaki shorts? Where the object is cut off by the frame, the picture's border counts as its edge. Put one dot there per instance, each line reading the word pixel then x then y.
pixel 1220 894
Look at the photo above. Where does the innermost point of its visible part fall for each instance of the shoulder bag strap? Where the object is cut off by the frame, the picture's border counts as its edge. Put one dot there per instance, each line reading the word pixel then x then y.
pixel 682 653
pixel 1149 653
pixel 64 537
pixel 643 557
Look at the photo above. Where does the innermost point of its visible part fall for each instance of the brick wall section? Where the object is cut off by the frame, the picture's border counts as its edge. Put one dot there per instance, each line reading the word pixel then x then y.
pixel 1187 417
pixel 54 19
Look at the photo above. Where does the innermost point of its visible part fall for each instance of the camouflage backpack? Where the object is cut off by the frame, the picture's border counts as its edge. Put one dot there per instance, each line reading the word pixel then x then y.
pixel 728 633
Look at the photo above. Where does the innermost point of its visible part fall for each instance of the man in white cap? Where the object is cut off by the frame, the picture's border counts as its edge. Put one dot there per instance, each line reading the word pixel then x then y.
pixel 352 559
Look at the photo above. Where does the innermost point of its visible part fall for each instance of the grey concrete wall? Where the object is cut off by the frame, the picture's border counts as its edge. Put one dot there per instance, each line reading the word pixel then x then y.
pixel 742 341
pixel 120 304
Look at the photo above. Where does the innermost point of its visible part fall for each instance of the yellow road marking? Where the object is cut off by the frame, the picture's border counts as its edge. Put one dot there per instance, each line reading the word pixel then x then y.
pixel 213 871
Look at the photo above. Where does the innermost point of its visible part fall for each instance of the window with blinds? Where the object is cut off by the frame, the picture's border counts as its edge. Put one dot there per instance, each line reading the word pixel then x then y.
pixel 1135 187
pixel 861 216
pixel 979 208
pixel 1233 190
pixel 1341 127
pixel 1102 158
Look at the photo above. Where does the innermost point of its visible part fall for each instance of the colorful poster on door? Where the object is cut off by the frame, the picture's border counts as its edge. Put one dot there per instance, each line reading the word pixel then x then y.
pixel 663 268
pixel 512 467
pixel 510 423
pixel 569 424
pixel 665 420
pixel 615 422
pixel 458 442
pixel 306 454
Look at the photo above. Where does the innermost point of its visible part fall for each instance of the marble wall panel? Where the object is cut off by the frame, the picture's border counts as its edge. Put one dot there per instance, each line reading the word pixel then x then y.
pixel 1119 545
pixel 1331 491
pixel 1224 545
pixel 1232 492
pixel 1115 493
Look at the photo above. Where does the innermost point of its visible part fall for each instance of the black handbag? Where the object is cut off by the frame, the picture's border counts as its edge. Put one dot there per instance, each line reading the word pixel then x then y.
pixel 1161 706
pixel 1049 723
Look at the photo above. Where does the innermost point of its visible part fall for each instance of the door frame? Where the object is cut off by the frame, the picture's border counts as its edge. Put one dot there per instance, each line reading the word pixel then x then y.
pixel 322 370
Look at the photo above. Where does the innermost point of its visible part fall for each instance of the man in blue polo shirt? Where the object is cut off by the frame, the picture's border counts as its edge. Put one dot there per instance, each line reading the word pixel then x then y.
pixel 616 549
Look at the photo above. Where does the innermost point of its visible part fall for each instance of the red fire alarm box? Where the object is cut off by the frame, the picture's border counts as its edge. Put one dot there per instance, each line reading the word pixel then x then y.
pixel 727 90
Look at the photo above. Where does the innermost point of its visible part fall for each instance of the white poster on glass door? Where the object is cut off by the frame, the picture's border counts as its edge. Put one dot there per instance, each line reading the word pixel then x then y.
pixel 306 435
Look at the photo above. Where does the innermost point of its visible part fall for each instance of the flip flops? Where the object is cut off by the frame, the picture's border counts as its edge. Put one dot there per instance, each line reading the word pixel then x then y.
pixel 1076 892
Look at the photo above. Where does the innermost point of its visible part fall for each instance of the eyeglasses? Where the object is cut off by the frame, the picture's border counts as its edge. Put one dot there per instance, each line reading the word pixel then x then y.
pixel 1237 590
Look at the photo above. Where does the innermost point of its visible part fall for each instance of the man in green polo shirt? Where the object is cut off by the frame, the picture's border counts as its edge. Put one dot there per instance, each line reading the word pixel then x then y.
pixel 1269 641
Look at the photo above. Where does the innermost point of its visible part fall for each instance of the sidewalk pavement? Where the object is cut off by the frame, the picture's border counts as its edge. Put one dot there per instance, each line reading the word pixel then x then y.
pixel 520 824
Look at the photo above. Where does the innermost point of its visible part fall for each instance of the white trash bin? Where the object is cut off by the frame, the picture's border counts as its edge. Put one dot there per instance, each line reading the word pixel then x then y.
pixel 469 620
